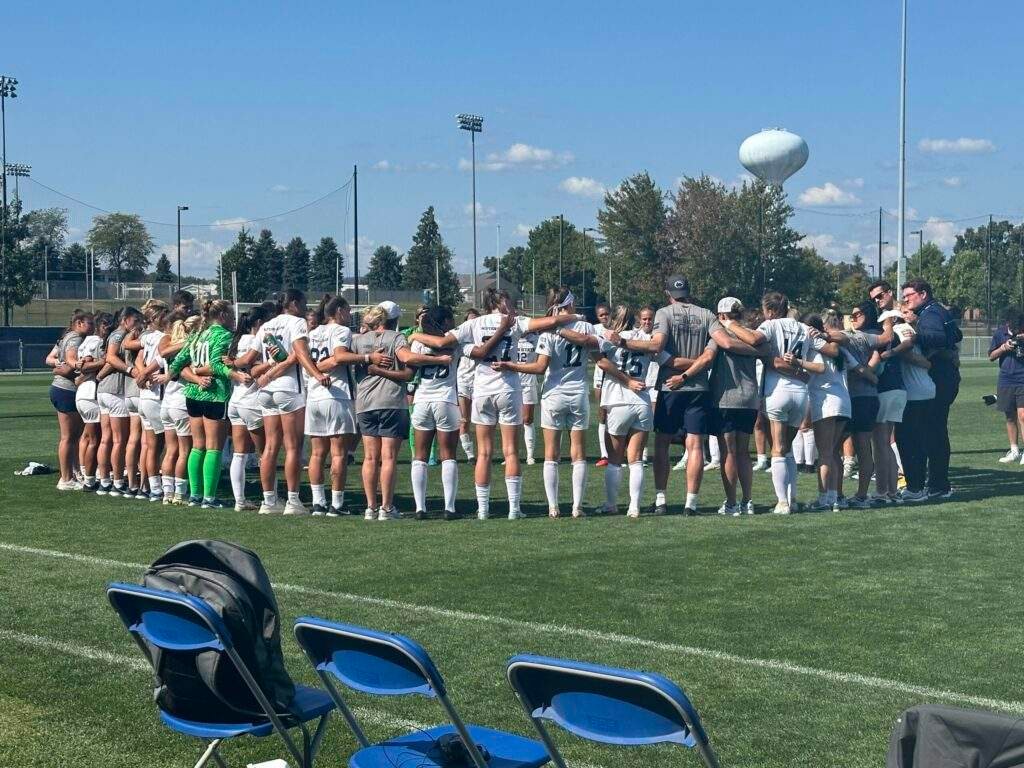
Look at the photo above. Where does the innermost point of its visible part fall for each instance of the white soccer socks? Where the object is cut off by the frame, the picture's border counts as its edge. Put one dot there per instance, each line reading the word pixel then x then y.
pixel 602 430
pixel 780 478
pixel 612 478
pixel 636 484
pixel 450 483
pixel 514 486
pixel 529 437
pixel 579 484
pixel 419 484
pixel 237 472
pixel 551 483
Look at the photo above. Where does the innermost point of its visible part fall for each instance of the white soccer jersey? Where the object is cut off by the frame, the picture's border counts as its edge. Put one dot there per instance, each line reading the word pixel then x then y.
pixel 567 366
pixel 599 330
pixel 437 382
pixel 324 341
pixel 636 365
pixel 786 335
pixel 150 353
pixel 527 353
pixel 833 380
pixel 246 395
pixel 476 332
pixel 288 329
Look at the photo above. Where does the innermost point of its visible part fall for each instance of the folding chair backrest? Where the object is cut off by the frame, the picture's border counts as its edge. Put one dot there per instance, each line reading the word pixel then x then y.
pixel 606 704
pixel 377 663
pixel 168 620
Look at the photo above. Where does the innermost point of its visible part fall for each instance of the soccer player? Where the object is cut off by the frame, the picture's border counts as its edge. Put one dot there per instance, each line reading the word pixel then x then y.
pixel 466 374
pixel 111 389
pixel 150 384
pixel 330 412
pixel 285 347
pixel 497 390
pixel 63 358
pixel 435 414
pixel 603 313
pixel 90 360
pixel 565 402
pixel 244 412
pixel 182 329
pixel 526 354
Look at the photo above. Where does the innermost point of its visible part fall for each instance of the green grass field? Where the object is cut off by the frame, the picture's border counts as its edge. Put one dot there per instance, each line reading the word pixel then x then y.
pixel 799 639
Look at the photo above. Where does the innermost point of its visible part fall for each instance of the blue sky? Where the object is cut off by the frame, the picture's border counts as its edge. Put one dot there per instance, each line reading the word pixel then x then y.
pixel 246 110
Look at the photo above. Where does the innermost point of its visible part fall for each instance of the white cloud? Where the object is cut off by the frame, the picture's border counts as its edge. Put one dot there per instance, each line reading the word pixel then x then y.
pixel 961 146
pixel 366 246
pixel 198 257
pixel 857 183
pixel 523 230
pixel 382 165
pixel 942 233
pixel 828 194
pixel 520 155
pixel 829 248
pixel 230 225
pixel 953 182
pixel 583 186
pixel 423 165
pixel 280 188
pixel 483 212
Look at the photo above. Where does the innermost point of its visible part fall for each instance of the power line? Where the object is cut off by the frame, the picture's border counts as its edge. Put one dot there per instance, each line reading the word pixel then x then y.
pixel 214 224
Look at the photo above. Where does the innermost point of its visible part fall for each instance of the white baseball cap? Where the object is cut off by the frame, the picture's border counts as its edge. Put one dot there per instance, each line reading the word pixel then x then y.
pixel 392 310
pixel 729 304
pixel 894 314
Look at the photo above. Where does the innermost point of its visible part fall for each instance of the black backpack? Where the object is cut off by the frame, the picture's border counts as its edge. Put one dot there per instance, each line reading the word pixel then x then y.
pixel 205 685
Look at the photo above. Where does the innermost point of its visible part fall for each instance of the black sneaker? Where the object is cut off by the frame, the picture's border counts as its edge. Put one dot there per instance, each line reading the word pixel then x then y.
pixel 936 494
pixel 337 511
pixel 689 512
pixel 212 504
pixel 659 509
pixel 452 515
pixel 318 510
pixel 420 514
pixel 91 487
pixel 195 501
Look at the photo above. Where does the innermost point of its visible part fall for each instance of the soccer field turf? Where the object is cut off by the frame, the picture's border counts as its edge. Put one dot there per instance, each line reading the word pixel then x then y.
pixel 798 639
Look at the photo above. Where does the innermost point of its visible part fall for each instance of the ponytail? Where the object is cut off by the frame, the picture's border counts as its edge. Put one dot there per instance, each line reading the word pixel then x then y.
pixel 493 298
pixel 329 307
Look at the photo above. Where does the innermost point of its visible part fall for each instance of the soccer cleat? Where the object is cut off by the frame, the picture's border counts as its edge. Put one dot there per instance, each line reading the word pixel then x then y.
pixel 604 509
pixel 761 465
pixel 115 492
pixel 195 501
pixel 67 485
pixel 514 515
pixel 420 514
pixel 860 502
pixel 633 512
pixel 388 513
pixel 295 508
pixel 318 510
pixel 749 507
pixel 602 462
pixel 530 460
pixel 729 509
pixel 782 508
pixel 481 515
pixel 681 464
pixel 92 487
pixel 156 497
pixel 711 465
pixel 271 509
pixel 819 505
pixel 179 501
pixel 659 509
pixel 451 514
pixel 690 512
pixel 894 498
pixel 578 513
pixel 333 511
pixel 553 512
pixel 1011 456
pixel 104 489
pixel 245 506
pixel 370 514
pixel 214 504
pixel 1022 460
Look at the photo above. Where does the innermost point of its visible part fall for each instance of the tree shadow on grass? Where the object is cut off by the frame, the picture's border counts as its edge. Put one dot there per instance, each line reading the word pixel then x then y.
pixel 974 484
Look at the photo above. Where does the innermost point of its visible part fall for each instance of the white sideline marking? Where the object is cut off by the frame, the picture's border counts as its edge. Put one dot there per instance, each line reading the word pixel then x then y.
pixel 615 638
pixel 375 716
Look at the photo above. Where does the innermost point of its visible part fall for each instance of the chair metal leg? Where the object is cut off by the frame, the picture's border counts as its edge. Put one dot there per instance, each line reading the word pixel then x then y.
pixel 318 735
pixel 219 760
pixel 211 752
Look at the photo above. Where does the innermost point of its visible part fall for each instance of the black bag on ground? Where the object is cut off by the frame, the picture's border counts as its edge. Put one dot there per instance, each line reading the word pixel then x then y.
pixel 945 737
pixel 205 685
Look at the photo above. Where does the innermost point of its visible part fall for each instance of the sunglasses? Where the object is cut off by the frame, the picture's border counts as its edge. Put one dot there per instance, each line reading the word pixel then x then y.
pixel 856 314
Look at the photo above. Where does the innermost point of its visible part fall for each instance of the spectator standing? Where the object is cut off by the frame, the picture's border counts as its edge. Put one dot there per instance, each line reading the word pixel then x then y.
pixel 1007 350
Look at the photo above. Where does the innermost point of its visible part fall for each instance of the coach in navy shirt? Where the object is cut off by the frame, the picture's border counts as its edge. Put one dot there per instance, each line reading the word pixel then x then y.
pixel 1008 350
pixel 937 335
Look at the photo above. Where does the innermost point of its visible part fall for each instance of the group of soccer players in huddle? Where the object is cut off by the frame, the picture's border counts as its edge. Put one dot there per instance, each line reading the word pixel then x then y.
pixel 146 399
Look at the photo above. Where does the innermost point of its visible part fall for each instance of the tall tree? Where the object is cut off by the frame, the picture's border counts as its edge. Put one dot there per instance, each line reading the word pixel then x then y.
pixel 326 266
pixel 47 234
pixel 123 241
pixel 268 262
pixel 577 260
pixel 163 270
pixel 239 258
pixel 630 223
pixel 515 268
pixel 296 264
pixel 75 258
pixel 385 272
pixel 966 284
pixel 428 249
pixel 16 284
pixel 1001 249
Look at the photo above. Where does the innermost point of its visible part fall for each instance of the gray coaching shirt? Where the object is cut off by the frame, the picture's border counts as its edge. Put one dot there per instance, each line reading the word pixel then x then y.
pixel 734 380
pixel 687 330
pixel 374 393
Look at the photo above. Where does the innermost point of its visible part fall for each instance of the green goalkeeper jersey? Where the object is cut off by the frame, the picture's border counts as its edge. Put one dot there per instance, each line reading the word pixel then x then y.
pixel 206 350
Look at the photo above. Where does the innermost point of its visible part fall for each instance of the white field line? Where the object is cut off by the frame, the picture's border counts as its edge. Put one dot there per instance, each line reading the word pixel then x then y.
pixel 614 638
pixel 134 663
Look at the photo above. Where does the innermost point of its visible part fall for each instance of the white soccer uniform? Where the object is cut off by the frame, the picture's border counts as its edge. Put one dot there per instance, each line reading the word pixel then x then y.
pixel 86 398
pixel 628 410
pixel 785 398
pixel 435 404
pixel 466 374
pixel 330 410
pixel 285 394
pixel 173 412
pixel 526 354
pixel 497 395
pixel 599 330
pixel 244 405
pixel 565 402
pixel 827 391
pixel 151 397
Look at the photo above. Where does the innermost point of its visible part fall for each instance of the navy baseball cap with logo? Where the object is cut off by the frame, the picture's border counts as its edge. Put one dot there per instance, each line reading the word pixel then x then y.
pixel 678 287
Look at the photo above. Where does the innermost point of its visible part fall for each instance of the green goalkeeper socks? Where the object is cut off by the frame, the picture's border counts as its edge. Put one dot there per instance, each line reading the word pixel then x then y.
pixel 211 474
pixel 195 472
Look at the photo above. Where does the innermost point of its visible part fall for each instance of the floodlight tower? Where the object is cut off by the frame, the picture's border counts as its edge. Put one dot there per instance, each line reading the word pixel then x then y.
pixel 18 170
pixel 474 124
pixel 8 90
pixel 180 209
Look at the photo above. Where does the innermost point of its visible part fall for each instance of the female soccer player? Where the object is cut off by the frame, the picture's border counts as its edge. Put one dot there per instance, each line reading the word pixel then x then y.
pixel 113 404
pixel 63 358
pixel 90 360
pixel 829 397
pixel 201 364
pixel 435 412
pixel 565 402
pixel 466 374
pixel 330 411
pixel 497 390
pixel 285 345
pixel 526 354
pixel 244 412
pixel 603 314
pixel 150 382
pixel 182 328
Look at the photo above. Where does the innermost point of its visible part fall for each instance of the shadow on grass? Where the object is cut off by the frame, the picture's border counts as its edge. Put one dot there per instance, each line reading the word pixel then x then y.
pixel 974 484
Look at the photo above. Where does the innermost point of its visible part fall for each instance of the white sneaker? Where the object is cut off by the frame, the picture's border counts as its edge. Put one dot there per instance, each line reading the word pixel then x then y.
pixel 761 465
pixel 632 512
pixel 782 508
pixel 271 509
pixel 729 509
pixel 513 515
pixel 296 508
pixel 388 513
pixel 1011 456
pixel 370 514
pixel 748 508
pixel 530 460
pixel 820 505
pixel 68 485
pixel 578 513
pixel 240 506
pixel 481 515
pixel 681 464
pixel 554 512
pixel 711 465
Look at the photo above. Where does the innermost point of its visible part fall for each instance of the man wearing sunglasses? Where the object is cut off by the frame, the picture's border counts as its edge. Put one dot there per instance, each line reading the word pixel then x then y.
pixel 938 336
pixel 892 396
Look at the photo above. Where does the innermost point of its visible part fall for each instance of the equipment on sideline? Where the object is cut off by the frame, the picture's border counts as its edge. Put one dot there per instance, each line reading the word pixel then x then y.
pixel 931 735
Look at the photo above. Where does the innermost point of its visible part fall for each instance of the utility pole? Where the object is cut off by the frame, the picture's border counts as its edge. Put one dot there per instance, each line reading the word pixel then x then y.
pixel 920 256
pixel 988 278
pixel 355 229
pixel 561 221
pixel 180 209
pixel 901 234
pixel 880 243
pixel 8 89
pixel 474 124
pixel 497 260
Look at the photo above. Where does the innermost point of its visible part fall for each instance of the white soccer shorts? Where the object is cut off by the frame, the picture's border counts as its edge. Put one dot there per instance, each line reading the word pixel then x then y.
pixel 278 403
pixel 436 415
pixel 565 411
pixel 89 410
pixel 504 408
pixel 149 413
pixel 787 406
pixel 113 405
pixel 327 418
pixel 250 417
pixel 529 389
pixel 176 420
pixel 629 417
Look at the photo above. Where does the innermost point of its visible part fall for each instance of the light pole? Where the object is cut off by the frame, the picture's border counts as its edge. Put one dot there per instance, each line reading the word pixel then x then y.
pixel 474 124
pixel 584 281
pixel 901 232
pixel 8 89
pixel 988 277
pixel 880 243
pixel 497 259
pixel 920 253
pixel 180 209
pixel 561 221
pixel 18 170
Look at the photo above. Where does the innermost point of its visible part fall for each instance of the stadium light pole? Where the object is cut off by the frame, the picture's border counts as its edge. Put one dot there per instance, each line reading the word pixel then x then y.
pixel 180 209
pixel 18 170
pixel 920 248
pixel 988 275
pixel 497 259
pixel 8 90
pixel 901 234
pixel 474 124
pixel 561 222
pixel 881 242
pixel 584 281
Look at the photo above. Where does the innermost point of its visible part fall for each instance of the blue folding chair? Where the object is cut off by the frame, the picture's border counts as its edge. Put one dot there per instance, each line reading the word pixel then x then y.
pixel 606 705
pixel 384 664
pixel 172 621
